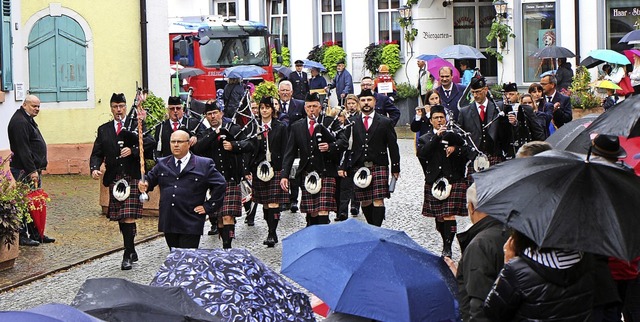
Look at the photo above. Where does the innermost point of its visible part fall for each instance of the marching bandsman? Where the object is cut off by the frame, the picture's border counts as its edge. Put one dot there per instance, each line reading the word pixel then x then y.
pixel 445 155
pixel 266 167
pixel 116 146
pixel 224 143
pixel 523 119
pixel 374 143
pixel 177 121
pixel 319 149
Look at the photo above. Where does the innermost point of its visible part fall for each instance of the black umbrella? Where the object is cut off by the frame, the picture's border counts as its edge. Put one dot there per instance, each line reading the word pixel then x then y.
pixel 572 136
pixel 553 52
pixel 115 299
pixel 189 72
pixel 284 70
pixel 620 120
pixel 560 201
pixel 591 62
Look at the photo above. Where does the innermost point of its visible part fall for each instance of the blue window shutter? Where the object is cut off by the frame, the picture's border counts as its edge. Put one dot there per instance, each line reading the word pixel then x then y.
pixel 42 60
pixel 6 44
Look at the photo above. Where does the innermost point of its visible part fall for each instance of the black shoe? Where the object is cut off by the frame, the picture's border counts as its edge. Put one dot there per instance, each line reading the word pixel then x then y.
pixel 271 241
pixel 294 208
pixel 213 231
pixel 46 239
pixel 26 241
pixel 126 264
pixel 354 212
pixel 134 257
pixel 341 217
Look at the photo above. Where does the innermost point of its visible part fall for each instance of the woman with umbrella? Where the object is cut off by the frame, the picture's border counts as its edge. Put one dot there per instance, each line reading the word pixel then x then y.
pixel 635 75
pixel 232 96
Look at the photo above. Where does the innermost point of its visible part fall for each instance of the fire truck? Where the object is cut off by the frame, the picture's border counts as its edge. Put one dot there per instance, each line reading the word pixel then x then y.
pixel 211 44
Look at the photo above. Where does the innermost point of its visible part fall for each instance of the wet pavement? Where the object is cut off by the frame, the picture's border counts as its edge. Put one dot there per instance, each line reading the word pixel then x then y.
pixel 84 236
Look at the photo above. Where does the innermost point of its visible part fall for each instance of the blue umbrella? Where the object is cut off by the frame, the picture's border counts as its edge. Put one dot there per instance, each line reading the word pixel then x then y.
pixel 243 71
pixel 426 57
pixel 313 64
pixel 22 316
pixel 63 312
pixel 461 52
pixel 631 38
pixel 284 70
pixel 610 56
pixel 234 285
pixel 371 272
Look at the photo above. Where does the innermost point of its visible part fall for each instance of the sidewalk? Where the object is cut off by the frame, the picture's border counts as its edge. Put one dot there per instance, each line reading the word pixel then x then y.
pixel 81 232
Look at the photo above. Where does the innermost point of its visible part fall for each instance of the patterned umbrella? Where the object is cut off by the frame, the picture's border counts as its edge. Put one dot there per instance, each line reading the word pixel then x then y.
pixel 234 285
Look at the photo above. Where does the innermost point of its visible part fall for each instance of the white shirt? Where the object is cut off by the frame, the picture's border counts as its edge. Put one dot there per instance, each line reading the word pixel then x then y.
pixel 485 104
pixel 115 124
pixel 370 118
pixel 184 162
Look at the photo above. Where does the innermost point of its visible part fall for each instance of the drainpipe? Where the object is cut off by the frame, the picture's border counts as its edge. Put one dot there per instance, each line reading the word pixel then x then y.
pixel 143 43
pixel 576 17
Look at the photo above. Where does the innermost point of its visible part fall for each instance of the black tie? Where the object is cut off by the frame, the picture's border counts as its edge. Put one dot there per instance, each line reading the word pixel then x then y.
pixel 284 107
pixel 447 92
pixel 300 75
pixel 179 163
pixel 549 98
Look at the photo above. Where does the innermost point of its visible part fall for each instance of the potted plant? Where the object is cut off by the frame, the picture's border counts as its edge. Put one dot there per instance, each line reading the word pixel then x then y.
pixel 580 92
pixel 265 89
pixel 407 101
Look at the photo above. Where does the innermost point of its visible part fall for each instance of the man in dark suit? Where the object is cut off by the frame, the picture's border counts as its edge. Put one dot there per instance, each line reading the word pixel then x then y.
pixel 117 146
pixel 184 179
pixel 293 110
pixel 29 158
pixel 561 103
pixel 299 81
pixel 177 121
pixel 449 92
pixel 224 143
pixel 374 143
pixel 384 103
pixel 319 151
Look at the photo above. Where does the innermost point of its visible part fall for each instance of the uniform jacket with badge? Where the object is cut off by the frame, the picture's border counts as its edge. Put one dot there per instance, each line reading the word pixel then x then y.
pixel 164 130
pixel 181 192
pixel 278 135
pixel 229 163
pixel 499 132
pixel 300 85
pixel 377 145
pixel 294 110
pixel 431 149
pixel 106 149
pixel 305 146
pixel 27 144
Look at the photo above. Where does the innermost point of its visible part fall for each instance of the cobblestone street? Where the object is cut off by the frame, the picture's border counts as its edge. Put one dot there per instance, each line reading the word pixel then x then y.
pixel 403 213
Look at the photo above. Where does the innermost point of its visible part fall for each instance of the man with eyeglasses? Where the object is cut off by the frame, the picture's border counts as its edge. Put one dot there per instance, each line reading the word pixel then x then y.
pixel 449 92
pixel 562 112
pixel 184 179
pixel 384 104
pixel 116 146
pixel 177 121
pixel 224 143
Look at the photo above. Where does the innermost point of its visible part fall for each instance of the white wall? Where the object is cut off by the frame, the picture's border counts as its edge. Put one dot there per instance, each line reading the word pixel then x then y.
pixel 184 8
pixel 158 48
pixel 300 28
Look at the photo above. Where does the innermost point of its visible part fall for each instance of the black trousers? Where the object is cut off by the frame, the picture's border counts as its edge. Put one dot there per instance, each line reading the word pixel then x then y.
pixel 347 195
pixel 182 240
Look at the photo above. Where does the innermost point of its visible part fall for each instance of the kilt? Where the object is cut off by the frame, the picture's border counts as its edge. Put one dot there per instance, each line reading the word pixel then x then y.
pixel 130 207
pixel 321 201
pixel 379 187
pixel 269 192
pixel 455 204
pixel 493 160
pixel 232 203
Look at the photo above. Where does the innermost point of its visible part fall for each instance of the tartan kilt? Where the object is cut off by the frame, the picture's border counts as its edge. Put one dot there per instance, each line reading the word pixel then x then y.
pixel 493 160
pixel 455 204
pixel 130 207
pixel 321 201
pixel 269 192
pixel 379 187
pixel 232 203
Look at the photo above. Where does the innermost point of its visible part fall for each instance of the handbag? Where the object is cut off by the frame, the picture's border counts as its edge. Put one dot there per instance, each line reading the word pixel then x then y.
pixel 625 85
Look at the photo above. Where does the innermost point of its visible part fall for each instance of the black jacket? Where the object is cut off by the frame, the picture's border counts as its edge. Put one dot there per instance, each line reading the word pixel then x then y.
pixel 386 107
pixel 294 110
pixel 481 262
pixel 431 149
pixel 300 85
pixel 377 145
pixel 278 135
pixel 528 291
pixel 26 142
pixel 232 97
pixel 496 138
pixel 163 132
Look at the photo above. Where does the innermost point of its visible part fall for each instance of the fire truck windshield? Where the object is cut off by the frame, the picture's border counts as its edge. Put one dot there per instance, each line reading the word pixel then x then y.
pixel 225 52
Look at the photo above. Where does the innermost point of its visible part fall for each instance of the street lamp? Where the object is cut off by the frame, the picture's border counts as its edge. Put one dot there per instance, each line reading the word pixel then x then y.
pixel 446 3
pixel 501 8
pixel 405 13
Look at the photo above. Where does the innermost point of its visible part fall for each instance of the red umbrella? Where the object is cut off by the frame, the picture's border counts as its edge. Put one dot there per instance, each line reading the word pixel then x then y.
pixel 630 53
pixel 632 146
pixel 38 209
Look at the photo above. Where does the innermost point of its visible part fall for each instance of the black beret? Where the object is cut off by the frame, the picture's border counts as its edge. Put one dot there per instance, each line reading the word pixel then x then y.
pixel 299 62
pixel 510 87
pixel 174 100
pixel 437 109
pixel 312 97
pixel 478 83
pixel 211 106
pixel 118 98
pixel 267 100
pixel 341 61
pixel 366 93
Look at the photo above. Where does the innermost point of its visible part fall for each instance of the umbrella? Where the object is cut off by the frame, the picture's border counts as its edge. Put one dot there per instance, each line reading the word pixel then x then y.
pixel 62 312
pixel 632 146
pixel 243 71
pixel 588 206
pixel 38 209
pixel 620 120
pixel 120 300
pixel 435 64
pixel 553 52
pixel 572 135
pixel 610 56
pixel 631 38
pixel 461 52
pixel 234 285
pixel 426 57
pixel 284 70
pixel 606 84
pixel 189 72
pixel 22 316
pixel 591 62
pixel 372 272
pixel 630 53
pixel 312 64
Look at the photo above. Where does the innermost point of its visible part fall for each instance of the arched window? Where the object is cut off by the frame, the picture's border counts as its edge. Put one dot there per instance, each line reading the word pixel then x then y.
pixel 58 60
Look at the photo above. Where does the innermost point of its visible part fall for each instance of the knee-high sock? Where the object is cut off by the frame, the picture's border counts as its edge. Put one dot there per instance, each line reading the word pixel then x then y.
pixel 128 236
pixel 449 230
pixel 323 220
pixel 228 234
pixel 378 215
pixel 368 213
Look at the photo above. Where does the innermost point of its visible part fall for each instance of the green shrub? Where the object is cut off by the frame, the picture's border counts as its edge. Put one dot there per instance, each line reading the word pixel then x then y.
pixel 373 57
pixel 405 90
pixel 580 92
pixel 332 55
pixel 286 56
pixel 391 57
pixel 265 89
pixel 156 110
